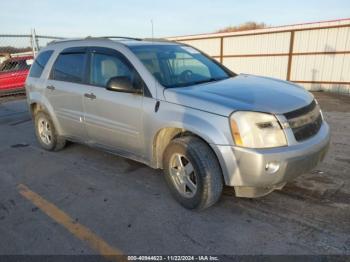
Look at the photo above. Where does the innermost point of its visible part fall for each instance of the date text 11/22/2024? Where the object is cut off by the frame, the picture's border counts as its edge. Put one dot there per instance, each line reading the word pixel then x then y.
pixel 173 258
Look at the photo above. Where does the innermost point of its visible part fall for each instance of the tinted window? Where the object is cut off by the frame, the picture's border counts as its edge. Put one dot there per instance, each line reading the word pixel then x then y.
pixel 69 67
pixel 104 67
pixel 40 63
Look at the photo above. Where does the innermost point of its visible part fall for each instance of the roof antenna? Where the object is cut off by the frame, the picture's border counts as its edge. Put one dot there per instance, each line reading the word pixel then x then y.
pixel 152 30
pixel 156 107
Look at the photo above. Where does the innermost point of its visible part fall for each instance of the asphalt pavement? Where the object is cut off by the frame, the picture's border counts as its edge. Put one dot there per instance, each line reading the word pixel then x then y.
pixel 85 201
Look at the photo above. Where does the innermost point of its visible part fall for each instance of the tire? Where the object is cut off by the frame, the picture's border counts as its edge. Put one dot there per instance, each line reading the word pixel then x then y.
pixel 47 138
pixel 206 174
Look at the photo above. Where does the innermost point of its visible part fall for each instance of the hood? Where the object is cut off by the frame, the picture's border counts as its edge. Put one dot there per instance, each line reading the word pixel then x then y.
pixel 243 92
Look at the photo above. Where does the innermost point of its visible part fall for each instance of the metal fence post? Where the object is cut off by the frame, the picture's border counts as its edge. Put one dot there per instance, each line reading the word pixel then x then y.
pixel 32 42
pixel 36 38
pixel 221 49
pixel 290 55
pixel 35 46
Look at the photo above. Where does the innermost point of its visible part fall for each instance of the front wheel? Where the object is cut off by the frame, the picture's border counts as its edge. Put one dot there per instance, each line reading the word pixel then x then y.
pixel 192 172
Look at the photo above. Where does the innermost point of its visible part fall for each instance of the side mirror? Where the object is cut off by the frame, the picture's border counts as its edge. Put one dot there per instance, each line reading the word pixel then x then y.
pixel 122 84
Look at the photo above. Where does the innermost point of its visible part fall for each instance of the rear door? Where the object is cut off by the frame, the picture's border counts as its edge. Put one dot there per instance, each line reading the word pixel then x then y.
pixel 113 119
pixel 65 88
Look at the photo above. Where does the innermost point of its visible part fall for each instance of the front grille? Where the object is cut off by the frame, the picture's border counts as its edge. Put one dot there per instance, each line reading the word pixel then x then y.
pixel 301 111
pixel 308 130
pixel 305 122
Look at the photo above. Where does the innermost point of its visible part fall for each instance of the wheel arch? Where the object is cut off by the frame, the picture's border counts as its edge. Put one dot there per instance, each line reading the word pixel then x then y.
pixel 163 138
pixel 35 106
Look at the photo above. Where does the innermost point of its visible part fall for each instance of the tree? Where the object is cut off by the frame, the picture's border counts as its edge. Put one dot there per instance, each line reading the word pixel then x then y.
pixel 12 50
pixel 243 27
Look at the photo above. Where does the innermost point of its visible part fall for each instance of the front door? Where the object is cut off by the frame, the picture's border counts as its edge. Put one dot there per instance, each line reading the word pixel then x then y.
pixel 113 119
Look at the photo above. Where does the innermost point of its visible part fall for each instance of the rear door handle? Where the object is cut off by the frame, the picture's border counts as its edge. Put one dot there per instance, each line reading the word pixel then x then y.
pixel 50 87
pixel 91 95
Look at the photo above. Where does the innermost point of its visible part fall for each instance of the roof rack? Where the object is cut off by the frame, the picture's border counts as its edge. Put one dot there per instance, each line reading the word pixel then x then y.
pixel 122 37
pixel 64 40
pixel 93 37
pixel 158 40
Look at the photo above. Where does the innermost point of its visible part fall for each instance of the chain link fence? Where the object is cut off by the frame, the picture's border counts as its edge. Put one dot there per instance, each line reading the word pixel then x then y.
pixel 16 56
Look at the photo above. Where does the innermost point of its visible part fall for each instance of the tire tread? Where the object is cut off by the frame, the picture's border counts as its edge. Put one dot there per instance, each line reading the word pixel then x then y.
pixel 206 161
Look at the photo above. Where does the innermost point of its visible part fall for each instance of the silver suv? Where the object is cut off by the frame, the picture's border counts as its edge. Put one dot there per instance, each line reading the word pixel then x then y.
pixel 172 107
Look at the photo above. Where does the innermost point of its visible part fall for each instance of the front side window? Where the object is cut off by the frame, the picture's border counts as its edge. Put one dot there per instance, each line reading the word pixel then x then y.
pixel 69 67
pixel 40 63
pixel 177 65
pixel 104 67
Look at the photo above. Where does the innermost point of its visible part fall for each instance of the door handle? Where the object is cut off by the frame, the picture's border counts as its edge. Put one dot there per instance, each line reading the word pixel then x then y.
pixel 50 88
pixel 91 95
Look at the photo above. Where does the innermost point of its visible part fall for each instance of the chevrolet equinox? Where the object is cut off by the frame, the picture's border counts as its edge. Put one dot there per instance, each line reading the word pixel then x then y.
pixel 170 106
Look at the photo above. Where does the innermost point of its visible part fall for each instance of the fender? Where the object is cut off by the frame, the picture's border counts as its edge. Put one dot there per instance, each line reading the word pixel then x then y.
pixel 212 128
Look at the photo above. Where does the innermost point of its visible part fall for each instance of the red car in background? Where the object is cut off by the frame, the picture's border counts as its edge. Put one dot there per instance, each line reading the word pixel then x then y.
pixel 13 73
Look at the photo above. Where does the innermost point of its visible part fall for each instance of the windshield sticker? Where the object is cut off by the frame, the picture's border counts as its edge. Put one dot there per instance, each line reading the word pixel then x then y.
pixel 190 50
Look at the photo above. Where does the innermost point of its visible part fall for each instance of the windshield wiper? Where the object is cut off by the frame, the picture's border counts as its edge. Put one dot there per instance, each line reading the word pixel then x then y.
pixel 213 79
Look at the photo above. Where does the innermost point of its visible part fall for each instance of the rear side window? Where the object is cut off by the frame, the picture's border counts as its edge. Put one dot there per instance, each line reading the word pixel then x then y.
pixel 40 63
pixel 10 66
pixel 15 66
pixel 69 67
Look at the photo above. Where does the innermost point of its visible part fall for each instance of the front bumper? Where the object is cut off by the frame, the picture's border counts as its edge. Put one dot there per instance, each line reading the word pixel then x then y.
pixel 245 168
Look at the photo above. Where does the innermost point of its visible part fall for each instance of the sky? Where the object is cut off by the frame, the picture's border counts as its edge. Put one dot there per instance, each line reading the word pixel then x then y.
pixel 78 18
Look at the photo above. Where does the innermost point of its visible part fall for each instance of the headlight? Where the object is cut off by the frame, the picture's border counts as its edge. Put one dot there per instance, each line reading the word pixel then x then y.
pixel 319 108
pixel 256 130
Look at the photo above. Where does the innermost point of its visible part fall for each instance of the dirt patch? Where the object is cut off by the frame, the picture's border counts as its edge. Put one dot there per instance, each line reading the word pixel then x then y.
pixel 8 98
pixel 332 102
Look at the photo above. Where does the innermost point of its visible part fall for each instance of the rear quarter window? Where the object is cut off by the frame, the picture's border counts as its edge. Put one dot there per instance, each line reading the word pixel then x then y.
pixel 40 63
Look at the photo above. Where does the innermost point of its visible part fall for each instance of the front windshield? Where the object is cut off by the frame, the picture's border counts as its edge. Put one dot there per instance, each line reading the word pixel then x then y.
pixel 177 65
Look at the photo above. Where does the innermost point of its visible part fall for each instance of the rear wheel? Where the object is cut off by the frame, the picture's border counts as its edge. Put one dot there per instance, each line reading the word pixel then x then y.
pixel 192 172
pixel 46 133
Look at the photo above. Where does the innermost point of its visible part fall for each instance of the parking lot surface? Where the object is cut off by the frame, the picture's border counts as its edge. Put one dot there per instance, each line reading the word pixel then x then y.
pixel 84 201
